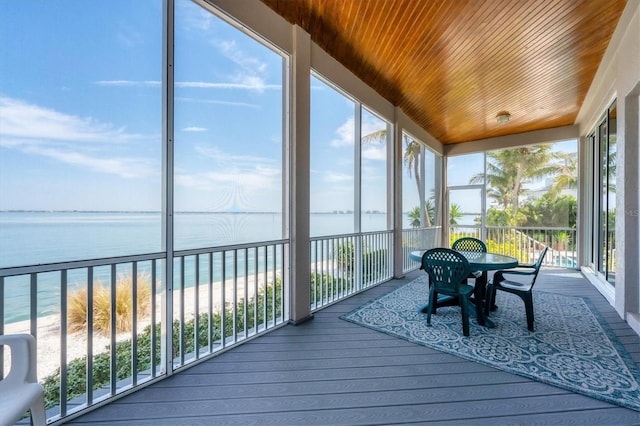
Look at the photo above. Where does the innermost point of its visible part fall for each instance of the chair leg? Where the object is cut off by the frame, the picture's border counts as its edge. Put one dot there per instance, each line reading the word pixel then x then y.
pixel 489 299
pixel 38 414
pixel 528 305
pixel 464 307
pixel 435 303
pixel 431 306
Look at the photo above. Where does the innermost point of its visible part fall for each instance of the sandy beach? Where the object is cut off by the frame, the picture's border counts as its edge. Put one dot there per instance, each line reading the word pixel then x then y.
pixel 48 328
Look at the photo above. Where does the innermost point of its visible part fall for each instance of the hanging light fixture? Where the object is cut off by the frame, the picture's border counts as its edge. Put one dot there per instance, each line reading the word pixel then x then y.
pixel 503 117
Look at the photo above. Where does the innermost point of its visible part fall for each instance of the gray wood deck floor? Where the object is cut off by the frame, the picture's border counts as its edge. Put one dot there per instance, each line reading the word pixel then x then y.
pixel 331 372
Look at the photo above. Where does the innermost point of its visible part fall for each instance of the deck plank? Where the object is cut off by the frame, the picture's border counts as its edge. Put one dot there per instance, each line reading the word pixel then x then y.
pixel 331 372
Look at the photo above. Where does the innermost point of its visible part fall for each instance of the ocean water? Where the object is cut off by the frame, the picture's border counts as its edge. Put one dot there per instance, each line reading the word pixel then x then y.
pixel 30 238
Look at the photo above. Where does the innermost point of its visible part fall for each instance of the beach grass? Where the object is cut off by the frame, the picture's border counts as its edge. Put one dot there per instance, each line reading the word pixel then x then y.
pixel 78 304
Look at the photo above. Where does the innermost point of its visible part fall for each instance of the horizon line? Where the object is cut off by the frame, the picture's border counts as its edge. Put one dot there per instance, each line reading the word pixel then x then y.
pixel 180 211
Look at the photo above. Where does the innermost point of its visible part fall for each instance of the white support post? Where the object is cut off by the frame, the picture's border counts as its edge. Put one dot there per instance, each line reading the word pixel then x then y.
pixel 167 187
pixel 300 176
pixel 396 188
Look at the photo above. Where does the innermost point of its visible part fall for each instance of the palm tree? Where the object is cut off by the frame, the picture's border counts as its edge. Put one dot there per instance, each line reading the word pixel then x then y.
pixel 611 165
pixel 509 169
pixel 374 137
pixel 415 214
pixel 411 160
pixel 567 176
pixel 414 217
pixel 454 214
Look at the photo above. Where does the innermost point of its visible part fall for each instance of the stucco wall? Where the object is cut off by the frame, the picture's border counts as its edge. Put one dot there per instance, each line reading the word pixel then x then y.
pixel 619 78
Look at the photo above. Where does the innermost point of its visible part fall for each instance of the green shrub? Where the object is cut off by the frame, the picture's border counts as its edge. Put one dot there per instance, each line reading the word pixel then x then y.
pixel 346 257
pixel 374 263
pixel 101 369
pixel 328 287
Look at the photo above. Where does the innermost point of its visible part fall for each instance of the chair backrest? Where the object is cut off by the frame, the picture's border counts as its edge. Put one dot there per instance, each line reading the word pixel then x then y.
pixel 469 244
pixel 20 390
pixel 538 265
pixel 23 360
pixel 446 268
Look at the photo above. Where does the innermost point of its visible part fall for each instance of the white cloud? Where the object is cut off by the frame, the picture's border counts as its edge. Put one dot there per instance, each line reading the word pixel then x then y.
pixel 236 181
pixel 267 171
pixel 373 174
pixel 211 101
pixel 238 161
pixel 378 152
pixel 251 181
pixel 249 74
pixel 129 83
pixel 82 142
pixel 240 82
pixel 245 83
pixel 249 63
pixel 334 177
pixel 195 17
pixel 23 120
pixel 251 70
pixel 123 167
pixel 344 134
pixel 195 129
pixel 232 188
pixel 371 124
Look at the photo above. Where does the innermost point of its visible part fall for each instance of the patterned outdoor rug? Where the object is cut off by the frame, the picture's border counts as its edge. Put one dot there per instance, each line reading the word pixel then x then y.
pixel 570 348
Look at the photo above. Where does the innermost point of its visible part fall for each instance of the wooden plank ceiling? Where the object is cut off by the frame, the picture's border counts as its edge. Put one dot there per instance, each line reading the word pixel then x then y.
pixel 453 65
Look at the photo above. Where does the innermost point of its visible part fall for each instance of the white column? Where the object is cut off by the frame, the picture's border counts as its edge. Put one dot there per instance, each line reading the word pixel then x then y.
pixel 300 176
pixel 396 188
pixel 627 300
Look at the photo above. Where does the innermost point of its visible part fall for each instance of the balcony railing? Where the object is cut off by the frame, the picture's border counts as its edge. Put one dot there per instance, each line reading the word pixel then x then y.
pixel 342 265
pixel 418 239
pixel 109 325
pixel 525 243
pixel 106 326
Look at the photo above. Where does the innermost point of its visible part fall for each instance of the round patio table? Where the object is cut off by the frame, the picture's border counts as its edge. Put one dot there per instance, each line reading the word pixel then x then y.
pixel 478 261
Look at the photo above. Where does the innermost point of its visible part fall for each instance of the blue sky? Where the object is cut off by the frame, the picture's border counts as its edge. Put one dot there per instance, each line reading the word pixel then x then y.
pixel 81 124
pixel 80 109
pixel 81 118
pixel 67 137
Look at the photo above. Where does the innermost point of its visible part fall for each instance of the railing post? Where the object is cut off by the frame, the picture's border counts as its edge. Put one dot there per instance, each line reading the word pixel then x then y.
pixel 167 185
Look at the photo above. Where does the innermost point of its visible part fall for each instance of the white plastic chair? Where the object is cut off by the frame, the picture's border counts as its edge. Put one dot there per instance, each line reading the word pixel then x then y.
pixel 20 390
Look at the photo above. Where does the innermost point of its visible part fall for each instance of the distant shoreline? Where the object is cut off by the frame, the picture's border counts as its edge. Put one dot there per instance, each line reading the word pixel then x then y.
pixel 180 212
pixel 46 238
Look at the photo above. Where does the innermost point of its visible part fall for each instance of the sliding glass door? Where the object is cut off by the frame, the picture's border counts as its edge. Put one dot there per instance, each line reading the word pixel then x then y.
pixel 602 142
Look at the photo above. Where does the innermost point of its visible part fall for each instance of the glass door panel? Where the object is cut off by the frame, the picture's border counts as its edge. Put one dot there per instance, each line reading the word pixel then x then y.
pixel 465 212
pixel 602 231
pixel 604 196
pixel 611 197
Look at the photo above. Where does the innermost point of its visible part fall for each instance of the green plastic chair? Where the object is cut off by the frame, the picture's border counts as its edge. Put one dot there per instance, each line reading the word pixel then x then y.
pixel 521 289
pixel 448 270
pixel 470 244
